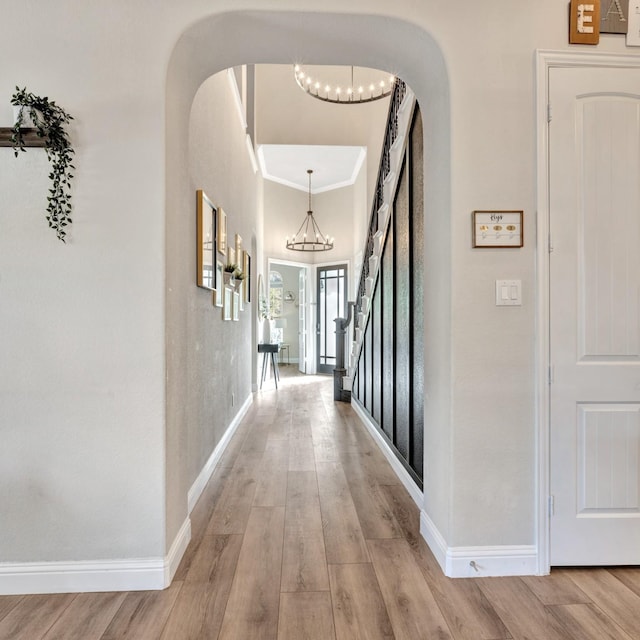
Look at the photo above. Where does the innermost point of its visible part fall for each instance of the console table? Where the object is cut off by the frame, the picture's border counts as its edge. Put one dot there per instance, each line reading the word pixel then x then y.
pixel 269 349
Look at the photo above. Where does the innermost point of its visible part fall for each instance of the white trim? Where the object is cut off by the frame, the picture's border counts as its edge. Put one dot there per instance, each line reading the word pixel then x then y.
pixel 203 477
pixel 434 539
pixel 136 574
pixel 237 98
pixel 252 154
pixel 71 577
pixel 545 60
pixel 362 155
pixel 179 546
pixel 389 454
pixel 478 562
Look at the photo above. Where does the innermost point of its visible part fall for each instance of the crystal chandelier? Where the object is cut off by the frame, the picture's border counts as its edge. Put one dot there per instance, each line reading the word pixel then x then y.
pixel 362 85
pixel 309 237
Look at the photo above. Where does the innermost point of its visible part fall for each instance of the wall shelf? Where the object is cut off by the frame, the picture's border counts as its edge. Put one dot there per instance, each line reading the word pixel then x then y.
pixel 31 138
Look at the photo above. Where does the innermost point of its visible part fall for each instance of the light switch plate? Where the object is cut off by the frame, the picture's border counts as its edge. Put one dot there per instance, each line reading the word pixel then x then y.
pixel 508 293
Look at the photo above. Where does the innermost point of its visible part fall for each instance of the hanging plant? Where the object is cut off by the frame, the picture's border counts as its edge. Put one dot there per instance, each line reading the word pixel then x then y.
pixel 49 121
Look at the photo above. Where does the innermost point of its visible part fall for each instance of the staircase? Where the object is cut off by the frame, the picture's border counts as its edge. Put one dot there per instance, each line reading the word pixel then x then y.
pixel 399 119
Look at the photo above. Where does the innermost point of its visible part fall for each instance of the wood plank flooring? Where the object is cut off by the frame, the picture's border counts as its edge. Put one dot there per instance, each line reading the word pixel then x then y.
pixel 305 533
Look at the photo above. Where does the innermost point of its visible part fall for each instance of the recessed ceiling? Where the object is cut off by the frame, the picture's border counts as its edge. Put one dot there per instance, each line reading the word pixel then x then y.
pixel 333 166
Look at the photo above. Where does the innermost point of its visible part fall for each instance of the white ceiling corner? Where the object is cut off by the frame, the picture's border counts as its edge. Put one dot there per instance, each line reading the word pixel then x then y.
pixel 333 166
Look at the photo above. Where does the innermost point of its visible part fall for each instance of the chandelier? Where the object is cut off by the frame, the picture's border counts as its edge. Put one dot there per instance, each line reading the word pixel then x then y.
pixel 309 237
pixel 360 86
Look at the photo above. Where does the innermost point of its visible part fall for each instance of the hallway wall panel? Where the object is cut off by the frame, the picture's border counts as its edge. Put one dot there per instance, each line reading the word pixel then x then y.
pixel 392 358
pixel 386 289
pixel 417 295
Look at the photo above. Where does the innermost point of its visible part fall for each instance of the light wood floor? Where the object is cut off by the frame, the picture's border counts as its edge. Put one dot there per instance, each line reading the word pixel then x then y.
pixel 304 533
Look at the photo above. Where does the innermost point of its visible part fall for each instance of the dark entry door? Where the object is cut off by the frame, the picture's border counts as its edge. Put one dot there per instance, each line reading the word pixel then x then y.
pixel 331 304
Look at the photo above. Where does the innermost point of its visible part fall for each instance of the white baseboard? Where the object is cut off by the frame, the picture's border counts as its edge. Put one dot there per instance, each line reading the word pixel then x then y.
pixel 137 574
pixel 134 574
pixel 434 540
pixel 476 562
pixel 203 477
pixel 179 546
pixel 390 455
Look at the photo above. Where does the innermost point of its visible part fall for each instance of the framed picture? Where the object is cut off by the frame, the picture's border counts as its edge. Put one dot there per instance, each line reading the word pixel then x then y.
pixel 497 229
pixel 217 292
pixel 243 284
pixel 246 269
pixel 236 306
pixel 263 304
pixel 231 256
pixel 206 241
pixel 238 247
pixel 228 301
pixel 222 231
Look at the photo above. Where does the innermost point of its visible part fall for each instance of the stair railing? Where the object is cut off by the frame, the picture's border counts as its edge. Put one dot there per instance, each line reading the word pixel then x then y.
pixel 380 210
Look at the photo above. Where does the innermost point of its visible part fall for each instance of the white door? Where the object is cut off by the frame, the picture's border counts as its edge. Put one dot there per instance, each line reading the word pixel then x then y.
pixel 302 320
pixel 594 156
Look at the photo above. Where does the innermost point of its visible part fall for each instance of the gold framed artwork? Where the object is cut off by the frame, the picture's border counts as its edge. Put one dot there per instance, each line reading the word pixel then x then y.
pixel 231 256
pixel 206 241
pixel 227 304
pixel 222 231
pixel 217 292
pixel 263 305
pixel 236 306
pixel 246 269
pixel 239 248
pixel 240 290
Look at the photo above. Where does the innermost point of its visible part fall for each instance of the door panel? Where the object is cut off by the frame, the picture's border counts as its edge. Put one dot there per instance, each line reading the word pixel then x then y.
pixel 302 320
pixel 594 158
pixel 608 471
pixel 332 302
pixel 608 251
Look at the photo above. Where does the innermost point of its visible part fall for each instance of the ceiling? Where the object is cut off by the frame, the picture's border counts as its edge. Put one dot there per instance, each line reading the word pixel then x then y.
pixel 333 166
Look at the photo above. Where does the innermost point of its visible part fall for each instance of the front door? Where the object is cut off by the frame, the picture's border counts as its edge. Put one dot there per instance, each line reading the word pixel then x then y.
pixel 332 302
pixel 594 160
pixel 302 320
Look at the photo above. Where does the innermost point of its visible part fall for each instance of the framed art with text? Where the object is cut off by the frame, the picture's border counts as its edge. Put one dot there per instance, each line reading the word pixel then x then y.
pixel 497 229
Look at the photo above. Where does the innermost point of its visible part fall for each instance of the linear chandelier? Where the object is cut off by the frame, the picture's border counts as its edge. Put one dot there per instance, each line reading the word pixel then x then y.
pixel 309 237
pixel 372 85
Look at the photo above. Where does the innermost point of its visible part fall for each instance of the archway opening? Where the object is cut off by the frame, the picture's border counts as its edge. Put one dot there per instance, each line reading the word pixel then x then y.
pixel 231 39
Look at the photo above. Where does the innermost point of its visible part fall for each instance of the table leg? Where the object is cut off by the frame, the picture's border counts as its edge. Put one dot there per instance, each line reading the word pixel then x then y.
pixel 264 369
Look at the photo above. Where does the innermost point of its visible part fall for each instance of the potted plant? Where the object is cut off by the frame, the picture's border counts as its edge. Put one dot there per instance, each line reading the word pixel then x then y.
pixel 230 269
pixel 49 121
pixel 239 277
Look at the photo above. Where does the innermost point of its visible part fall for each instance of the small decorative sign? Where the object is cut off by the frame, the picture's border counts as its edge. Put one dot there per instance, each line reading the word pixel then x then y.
pixel 614 16
pixel 584 22
pixel 497 229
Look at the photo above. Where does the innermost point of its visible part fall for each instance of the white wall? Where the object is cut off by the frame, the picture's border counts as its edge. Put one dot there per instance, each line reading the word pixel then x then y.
pixel 82 395
pixel 83 343
pixel 209 369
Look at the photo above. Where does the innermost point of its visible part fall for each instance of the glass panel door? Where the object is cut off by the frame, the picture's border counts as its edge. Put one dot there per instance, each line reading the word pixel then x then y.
pixel 332 302
pixel 302 321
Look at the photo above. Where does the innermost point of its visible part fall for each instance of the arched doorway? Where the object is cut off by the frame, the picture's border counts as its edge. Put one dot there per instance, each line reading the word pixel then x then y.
pixel 226 40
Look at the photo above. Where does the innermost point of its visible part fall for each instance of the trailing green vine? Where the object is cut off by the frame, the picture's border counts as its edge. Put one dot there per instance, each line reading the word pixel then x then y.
pixel 49 120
